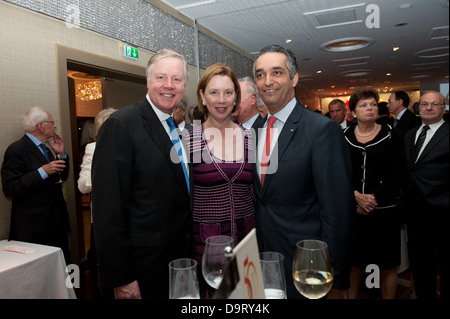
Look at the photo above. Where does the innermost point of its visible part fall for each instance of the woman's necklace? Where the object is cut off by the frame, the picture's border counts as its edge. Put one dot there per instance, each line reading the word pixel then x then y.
pixel 365 135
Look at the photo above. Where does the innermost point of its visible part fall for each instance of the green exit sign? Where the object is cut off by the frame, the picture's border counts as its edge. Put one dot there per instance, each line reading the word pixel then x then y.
pixel 130 52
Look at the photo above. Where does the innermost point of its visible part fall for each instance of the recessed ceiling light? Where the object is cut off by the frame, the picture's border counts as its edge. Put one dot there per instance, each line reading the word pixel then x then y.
pixel 355 73
pixel 395 48
pixel 405 6
pixel 318 72
pixel 388 74
pixel 346 44
pixel 419 76
pixel 433 53
pixel 288 40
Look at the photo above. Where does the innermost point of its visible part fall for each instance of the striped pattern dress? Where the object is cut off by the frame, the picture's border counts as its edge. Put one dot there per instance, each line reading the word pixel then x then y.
pixel 223 195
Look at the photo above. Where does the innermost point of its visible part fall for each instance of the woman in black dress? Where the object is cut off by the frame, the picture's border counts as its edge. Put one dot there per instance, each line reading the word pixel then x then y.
pixel 378 161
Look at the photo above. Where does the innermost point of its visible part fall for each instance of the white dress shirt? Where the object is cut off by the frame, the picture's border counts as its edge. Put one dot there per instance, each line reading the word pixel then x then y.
pixel 163 117
pixel 278 125
pixel 433 128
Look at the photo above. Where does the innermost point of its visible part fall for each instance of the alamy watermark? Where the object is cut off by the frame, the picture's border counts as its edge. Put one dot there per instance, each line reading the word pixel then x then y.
pixel 73 276
pixel 373 19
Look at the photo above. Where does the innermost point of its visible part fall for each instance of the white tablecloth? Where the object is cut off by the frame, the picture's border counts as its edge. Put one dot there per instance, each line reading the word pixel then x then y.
pixel 34 272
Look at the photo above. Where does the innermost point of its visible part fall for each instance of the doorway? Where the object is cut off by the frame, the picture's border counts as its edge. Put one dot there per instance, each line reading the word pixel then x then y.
pixel 111 83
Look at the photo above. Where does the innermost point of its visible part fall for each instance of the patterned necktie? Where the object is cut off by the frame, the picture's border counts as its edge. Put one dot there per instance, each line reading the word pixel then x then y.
pixel 44 151
pixel 420 140
pixel 266 149
pixel 177 144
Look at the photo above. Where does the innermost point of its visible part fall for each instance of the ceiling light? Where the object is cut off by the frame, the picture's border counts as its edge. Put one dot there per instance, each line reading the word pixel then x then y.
pixel 355 73
pixel 395 48
pixel 388 74
pixel 405 6
pixel 318 72
pixel 288 40
pixel 346 44
pixel 89 91
pixel 433 53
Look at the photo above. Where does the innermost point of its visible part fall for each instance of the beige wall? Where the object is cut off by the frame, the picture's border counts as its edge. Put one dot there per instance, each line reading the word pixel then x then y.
pixel 28 72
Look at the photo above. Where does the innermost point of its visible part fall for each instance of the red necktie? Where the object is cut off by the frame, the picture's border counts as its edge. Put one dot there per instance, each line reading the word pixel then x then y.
pixel 266 150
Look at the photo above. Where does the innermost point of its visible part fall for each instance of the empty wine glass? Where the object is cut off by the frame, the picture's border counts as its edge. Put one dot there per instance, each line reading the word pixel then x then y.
pixel 311 269
pixel 273 274
pixel 183 283
pixel 214 258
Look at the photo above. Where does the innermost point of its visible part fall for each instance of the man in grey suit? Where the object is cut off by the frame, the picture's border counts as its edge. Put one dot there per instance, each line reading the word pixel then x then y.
pixel 31 177
pixel 307 190
pixel 140 196
pixel 427 159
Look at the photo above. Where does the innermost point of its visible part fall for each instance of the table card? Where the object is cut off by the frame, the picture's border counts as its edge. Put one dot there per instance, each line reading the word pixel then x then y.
pixel 243 277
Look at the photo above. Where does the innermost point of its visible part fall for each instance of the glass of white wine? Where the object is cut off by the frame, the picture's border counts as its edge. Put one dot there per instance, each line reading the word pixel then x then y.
pixel 215 258
pixel 311 269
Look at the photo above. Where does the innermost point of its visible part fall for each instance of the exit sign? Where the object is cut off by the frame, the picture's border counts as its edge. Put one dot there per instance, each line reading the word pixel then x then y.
pixel 130 52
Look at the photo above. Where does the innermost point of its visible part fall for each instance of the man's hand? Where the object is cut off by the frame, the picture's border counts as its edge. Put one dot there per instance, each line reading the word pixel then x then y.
pixel 57 145
pixel 54 167
pixel 130 291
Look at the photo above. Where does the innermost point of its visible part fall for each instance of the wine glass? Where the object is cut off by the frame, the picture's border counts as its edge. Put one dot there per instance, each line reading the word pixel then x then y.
pixel 311 269
pixel 272 267
pixel 215 258
pixel 59 181
pixel 183 283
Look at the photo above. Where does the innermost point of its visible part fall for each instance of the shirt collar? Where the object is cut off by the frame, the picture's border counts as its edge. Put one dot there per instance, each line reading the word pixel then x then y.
pixel 433 127
pixel 399 116
pixel 34 139
pixel 161 115
pixel 283 114
pixel 248 124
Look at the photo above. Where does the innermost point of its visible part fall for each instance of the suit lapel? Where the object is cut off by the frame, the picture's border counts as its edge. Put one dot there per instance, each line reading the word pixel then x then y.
pixel 155 129
pixel 441 133
pixel 34 150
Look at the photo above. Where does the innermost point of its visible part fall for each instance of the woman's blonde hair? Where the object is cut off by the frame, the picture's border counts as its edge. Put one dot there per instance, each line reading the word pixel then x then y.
pixel 101 117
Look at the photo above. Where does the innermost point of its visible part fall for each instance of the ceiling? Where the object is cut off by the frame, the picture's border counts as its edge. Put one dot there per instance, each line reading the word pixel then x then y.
pixel 419 28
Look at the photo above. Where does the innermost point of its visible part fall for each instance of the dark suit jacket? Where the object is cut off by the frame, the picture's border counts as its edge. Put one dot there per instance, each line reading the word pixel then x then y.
pixel 408 121
pixel 310 196
pixel 429 177
pixel 141 205
pixel 39 213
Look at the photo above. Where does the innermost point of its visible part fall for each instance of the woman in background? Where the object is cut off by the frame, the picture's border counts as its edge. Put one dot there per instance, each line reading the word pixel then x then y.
pixel 85 185
pixel 378 162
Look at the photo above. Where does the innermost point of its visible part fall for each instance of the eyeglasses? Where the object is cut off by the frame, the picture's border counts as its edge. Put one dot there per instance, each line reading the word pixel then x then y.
pixel 49 122
pixel 433 104
pixel 389 101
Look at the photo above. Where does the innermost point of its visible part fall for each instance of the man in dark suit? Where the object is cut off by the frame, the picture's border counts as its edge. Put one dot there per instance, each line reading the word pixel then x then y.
pixel 179 116
pixel 338 113
pixel 30 177
pixel 247 113
pixel 398 105
pixel 141 200
pixel 307 191
pixel 428 197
